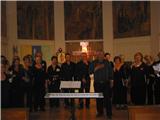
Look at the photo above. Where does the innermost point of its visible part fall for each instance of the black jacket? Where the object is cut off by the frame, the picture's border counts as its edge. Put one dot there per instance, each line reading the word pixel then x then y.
pixel 82 71
pixel 68 71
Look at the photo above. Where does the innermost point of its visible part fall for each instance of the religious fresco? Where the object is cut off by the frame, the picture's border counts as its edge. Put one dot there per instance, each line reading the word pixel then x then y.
pixel 35 20
pixel 131 18
pixel 3 19
pixel 83 20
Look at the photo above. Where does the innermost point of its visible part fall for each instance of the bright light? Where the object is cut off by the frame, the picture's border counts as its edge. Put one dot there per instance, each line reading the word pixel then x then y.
pixel 84 46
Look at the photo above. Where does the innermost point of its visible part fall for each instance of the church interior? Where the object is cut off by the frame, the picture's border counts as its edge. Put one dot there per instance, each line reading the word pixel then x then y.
pixel 55 42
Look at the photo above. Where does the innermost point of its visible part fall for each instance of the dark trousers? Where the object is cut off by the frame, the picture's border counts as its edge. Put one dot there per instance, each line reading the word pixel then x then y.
pixel 54 88
pixel 120 94
pixel 150 94
pixel 28 96
pixel 68 101
pixel 39 100
pixel 157 91
pixel 86 87
pixel 138 95
pixel 106 102
pixel 16 97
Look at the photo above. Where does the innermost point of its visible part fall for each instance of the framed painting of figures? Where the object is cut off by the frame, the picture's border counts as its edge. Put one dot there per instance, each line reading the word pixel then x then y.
pixel 35 20
pixel 131 18
pixel 83 20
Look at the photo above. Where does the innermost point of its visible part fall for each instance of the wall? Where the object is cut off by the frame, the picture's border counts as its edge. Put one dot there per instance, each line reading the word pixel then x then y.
pixel 126 46
pixel 129 46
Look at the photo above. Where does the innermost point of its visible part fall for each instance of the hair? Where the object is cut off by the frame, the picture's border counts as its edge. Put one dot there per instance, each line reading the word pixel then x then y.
pixel 53 57
pixel 117 57
pixel 26 57
pixel 38 52
pixel 140 54
pixel 4 60
pixel 107 54
pixel 67 54
pixel 15 58
pixel 146 56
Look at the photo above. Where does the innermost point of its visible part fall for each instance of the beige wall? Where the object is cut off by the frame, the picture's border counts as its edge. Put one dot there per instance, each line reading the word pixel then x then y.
pixel 126 46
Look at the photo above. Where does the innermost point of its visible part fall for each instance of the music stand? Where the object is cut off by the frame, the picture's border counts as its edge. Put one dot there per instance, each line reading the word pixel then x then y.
pixel 71 85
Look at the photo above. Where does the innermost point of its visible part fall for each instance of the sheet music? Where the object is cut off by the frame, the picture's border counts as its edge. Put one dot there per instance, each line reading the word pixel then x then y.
pixel 157 68
pixel 70 84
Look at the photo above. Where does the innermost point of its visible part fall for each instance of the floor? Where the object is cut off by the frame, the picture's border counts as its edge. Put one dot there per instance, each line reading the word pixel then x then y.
pixel 62 113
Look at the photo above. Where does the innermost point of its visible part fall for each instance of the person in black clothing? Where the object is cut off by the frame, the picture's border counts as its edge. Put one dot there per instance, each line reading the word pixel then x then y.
pixel 120 81
pixel 27 77
pixel 54 76
pixel 157 82
pixel 15 72
pixel 5 86
pixel 43 62
pixel 103 82
pixel 68 74
pixel 107 56
pixel 31 61
pixel 82 73
pixel 39 85
pixel 138 80
pixel 150 78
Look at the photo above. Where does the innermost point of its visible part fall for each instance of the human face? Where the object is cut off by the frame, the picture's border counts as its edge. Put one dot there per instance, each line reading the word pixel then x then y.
pixel 138 58
pixel 54 61
pixel 17 62
pixel 39 55
pixel 108 57
pixel 117 61
pixel 27 62
pixel 68 58
pixel 38 60
pixel 100 55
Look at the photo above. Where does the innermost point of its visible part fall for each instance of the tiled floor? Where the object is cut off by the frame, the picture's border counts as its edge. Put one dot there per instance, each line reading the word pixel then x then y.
pixel 84 114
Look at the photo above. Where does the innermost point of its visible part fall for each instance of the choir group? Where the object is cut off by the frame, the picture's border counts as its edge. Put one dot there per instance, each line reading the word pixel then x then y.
pixel 25 85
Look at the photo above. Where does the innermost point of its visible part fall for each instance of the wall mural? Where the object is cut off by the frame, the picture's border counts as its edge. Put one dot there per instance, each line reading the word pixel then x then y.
pixel 35 20
pixel 83 20
pixel 131 18
pixel 3 19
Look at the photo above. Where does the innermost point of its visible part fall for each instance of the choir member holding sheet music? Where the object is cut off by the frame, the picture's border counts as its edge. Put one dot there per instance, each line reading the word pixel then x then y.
pixel 150 78
pixel 54 76
pixel 39 86
pixel 43 62
pixel 68 74
pixel 5 86
pixel 27 77
pixel 120 83
pixel 138 80
pixel 82 73
pixel 16 81
pixel 156 67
